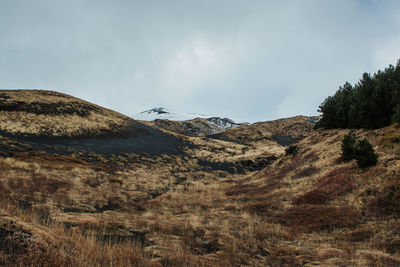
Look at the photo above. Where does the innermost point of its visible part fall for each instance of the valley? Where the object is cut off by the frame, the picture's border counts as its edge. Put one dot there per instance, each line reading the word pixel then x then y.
pixel 81 185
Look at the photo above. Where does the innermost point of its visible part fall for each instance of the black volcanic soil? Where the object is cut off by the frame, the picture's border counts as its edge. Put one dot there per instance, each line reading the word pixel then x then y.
pixel 139 139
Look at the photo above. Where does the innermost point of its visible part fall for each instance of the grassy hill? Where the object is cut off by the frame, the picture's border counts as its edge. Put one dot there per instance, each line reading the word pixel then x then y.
pixel 237 199
pixel 38 112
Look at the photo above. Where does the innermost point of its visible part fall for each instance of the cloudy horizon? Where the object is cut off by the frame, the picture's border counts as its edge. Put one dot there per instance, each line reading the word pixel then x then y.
pixel 247 60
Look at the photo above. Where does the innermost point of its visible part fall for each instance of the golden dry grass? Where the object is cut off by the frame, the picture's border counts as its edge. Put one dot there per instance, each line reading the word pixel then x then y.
pixel 62 123
pixel 307 209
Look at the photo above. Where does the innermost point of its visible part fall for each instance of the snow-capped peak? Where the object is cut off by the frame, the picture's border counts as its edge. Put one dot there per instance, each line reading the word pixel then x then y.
pixel 160 113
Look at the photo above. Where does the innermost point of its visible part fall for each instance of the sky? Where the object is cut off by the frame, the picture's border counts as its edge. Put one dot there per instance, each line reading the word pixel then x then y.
pixel 247 60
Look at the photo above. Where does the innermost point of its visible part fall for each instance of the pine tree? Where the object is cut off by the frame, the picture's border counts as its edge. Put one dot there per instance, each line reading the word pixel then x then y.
pixel 371 103
pixel 396 114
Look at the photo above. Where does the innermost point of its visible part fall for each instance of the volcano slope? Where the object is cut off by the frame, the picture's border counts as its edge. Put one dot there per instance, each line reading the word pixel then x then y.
pixel 207 201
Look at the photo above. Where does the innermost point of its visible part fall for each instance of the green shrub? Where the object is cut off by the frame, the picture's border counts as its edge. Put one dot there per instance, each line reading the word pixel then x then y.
pixel 361 150
pixel 365 154
pixel 348 147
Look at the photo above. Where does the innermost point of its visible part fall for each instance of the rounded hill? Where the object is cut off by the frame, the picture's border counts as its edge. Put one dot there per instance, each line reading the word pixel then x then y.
pixel 49 113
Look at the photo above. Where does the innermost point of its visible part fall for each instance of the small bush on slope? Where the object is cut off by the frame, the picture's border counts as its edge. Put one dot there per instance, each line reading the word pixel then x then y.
pixel 365 154
pixel 348 147
pixel 361 150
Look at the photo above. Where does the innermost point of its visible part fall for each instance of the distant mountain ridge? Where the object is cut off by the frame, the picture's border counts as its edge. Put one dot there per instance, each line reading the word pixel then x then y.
pixel 190 124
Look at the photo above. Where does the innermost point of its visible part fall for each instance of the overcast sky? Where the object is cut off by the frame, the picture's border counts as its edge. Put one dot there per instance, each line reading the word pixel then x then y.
pixel 248 60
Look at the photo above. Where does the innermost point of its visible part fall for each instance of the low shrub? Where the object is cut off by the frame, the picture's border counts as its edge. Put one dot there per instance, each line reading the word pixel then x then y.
pixel 365 154
pixel 292 150
pixel 361 150
pixel 348 147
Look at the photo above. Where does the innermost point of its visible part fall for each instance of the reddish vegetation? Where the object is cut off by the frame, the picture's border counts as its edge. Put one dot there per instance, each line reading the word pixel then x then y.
pixel 336 185
pixel 38 183
pixel 319 217
pixel 357 235
pixel 315 196
pixel 387 202
pixel 85 209
pixel 272 182
pixel 284 256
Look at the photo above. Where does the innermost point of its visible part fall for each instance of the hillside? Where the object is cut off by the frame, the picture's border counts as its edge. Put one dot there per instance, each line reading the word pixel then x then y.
pixel 48 113
pixel 240 198
pixel 48 120
pixel 283 131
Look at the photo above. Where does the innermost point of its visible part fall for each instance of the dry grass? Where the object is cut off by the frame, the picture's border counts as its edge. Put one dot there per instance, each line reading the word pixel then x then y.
pixel 319 217
pixel 392 138
pixel 27 243
pixel 295 128
pixel 170 210
pixel 306 172
pixel 387 202
pixel 315 196
pixel 65 121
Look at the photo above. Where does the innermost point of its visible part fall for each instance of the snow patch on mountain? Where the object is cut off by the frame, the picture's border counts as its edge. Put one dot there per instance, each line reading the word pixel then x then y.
pixel 160 113
pixel 223 123
pixel 192 123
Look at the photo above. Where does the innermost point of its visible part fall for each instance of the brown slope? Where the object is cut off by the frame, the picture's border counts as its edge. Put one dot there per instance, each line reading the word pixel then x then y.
pixel 326 205
pixel 309 208
pixel 283 131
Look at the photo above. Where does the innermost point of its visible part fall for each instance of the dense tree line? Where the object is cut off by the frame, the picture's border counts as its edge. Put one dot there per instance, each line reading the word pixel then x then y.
pixel 373 102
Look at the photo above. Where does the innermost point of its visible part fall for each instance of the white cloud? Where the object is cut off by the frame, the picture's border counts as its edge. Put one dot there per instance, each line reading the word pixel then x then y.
pixel 254 60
